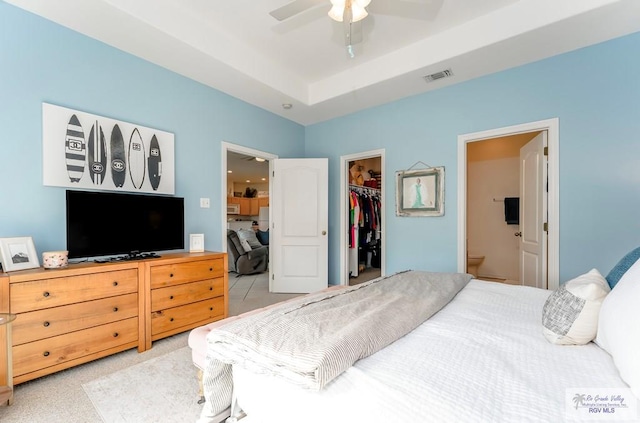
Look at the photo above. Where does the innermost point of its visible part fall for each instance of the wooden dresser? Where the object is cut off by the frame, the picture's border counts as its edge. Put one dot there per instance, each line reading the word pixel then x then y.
pixel 186 291
pixel 70 316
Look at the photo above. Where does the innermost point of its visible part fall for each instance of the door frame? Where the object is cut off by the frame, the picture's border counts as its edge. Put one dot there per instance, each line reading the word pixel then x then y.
pixel 552 126
pixel 344 211
pixel 227 146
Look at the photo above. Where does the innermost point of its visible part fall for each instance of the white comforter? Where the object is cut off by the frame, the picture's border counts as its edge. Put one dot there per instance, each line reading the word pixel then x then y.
pixel 311 340
pixel 480 359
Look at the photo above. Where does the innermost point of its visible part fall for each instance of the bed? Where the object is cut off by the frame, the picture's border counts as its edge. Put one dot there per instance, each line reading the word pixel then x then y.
pixel 482 357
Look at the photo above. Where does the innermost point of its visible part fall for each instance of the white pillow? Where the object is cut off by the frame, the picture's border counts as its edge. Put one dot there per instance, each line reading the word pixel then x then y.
pixel 570 314
pixel 249 235
pixel 245 245
pixel 618 331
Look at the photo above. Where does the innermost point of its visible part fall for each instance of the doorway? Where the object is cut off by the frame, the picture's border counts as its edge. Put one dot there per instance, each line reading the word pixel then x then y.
pixel 493 202
pixel 241 175
pixel 362 219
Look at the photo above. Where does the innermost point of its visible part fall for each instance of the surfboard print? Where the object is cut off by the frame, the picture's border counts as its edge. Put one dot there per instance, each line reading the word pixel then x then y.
pixel 75 149
pixel 118 158
pixel 97 154
pixel 154 162
pixel 136 159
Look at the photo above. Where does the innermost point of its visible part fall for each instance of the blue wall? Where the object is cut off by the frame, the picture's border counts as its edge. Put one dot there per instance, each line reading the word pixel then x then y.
pixel 595 93
pixel 43 62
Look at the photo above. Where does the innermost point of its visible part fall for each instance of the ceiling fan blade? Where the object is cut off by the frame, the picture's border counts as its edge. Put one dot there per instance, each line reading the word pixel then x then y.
pixel 407 9
pixel 300 20
pixel 293 8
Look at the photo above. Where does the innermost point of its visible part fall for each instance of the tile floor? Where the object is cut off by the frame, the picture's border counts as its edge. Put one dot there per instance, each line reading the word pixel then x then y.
pixel 248 292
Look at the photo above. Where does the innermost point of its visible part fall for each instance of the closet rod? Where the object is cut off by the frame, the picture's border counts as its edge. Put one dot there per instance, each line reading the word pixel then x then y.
pixel 365 189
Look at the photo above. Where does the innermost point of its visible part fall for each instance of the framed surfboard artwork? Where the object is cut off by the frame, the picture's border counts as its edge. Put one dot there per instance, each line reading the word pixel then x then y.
pixel 84 150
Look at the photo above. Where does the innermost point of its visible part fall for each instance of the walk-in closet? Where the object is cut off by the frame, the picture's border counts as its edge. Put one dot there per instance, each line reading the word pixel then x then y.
pixel 365 220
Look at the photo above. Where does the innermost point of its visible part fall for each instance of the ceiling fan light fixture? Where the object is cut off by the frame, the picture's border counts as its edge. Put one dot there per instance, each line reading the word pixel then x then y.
pixel 357 9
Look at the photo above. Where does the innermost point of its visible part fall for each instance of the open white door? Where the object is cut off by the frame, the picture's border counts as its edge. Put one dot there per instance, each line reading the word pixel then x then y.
pixel 533 212
pixel 299 210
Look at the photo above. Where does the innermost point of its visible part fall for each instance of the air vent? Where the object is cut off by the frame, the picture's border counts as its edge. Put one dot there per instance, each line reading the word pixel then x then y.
pixel 438 75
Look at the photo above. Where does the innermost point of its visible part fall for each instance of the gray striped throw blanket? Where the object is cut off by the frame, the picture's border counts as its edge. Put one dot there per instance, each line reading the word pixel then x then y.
pixel 307 342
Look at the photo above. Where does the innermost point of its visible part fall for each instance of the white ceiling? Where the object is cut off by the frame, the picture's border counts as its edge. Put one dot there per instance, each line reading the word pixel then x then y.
pixel 236 47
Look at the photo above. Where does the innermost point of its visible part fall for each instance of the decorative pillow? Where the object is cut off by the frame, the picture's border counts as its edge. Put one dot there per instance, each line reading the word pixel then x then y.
pixel 249 235
pixel 570 314
pixel 245 245
pixel 263 236
pixel 618 332
pixel 623 265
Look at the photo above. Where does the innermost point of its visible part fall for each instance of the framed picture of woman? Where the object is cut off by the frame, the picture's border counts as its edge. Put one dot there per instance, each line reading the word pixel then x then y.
pixel 420 192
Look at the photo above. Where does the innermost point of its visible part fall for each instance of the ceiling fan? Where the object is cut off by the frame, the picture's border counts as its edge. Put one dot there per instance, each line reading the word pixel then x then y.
pixel 350 13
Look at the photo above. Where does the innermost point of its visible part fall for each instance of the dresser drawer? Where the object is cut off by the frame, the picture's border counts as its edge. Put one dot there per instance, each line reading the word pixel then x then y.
pixel 173 318
pixel 174 296
pixel 191 271
pixel 56 321
pixel 37 295
pixel 48 352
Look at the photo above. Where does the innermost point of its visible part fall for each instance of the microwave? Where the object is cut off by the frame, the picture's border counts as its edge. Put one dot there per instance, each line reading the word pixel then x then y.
pixel 233 208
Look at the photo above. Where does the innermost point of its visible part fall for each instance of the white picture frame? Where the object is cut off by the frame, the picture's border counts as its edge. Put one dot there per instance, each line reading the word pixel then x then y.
pixel 196 243
pixel 18 253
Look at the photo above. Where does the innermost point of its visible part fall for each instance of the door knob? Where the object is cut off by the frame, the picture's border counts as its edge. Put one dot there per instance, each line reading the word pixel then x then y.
pixel 324 232
pixel 518 234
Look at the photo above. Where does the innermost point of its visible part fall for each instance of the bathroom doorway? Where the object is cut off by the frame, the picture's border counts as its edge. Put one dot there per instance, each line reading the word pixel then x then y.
pixel 362 218
pixel 493 198
pixel 490 243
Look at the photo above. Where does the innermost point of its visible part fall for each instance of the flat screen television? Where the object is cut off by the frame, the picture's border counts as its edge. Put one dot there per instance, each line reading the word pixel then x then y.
pixel 103 223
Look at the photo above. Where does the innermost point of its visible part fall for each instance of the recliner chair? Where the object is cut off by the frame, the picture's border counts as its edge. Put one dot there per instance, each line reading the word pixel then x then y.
pixel 245 262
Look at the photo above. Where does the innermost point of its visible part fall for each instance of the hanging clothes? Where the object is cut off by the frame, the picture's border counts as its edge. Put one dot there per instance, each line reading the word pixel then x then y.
pixel 365 221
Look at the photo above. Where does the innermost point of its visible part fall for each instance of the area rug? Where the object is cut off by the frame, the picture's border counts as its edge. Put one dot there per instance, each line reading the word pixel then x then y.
pixel 162 389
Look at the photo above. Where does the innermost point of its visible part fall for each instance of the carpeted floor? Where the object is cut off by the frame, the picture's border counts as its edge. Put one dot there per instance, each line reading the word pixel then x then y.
pixel 161 389
pixel 60 398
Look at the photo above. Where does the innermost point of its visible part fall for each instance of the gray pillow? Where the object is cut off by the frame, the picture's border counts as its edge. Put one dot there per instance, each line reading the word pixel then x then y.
pixel 570 314
pixel 249 235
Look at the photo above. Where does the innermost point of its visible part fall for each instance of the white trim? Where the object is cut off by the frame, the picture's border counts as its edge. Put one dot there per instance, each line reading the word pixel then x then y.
pixel 227 146
pixel 552 126
pixel 344 211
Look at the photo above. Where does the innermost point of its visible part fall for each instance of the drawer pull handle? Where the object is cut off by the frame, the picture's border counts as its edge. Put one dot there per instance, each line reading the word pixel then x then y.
pixel 210 288
pixel 171 319
pixel 46 324
pixel 46 353
pixel 45 294
pixel 211 269
pixel 115 283
pixel 210 308
pixel 115 309
pixel 171 297
pixel 115 335
pixel 170 275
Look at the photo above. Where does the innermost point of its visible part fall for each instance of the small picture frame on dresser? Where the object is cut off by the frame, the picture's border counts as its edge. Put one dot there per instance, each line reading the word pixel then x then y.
pixel 196 243
pixel 18 253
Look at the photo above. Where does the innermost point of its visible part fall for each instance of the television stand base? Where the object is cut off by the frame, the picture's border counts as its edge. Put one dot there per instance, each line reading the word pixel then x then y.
pixel 128 257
